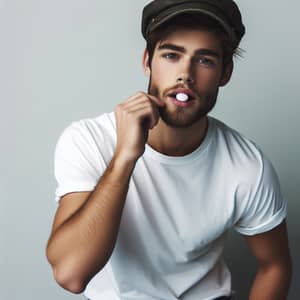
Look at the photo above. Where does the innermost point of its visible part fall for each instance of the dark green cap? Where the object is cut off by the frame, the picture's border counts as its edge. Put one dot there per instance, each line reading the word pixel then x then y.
pixel 225 12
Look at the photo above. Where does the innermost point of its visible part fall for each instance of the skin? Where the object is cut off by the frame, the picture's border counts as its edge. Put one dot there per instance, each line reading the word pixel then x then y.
pixel 274 274
pixel 181 130
pixel 86 224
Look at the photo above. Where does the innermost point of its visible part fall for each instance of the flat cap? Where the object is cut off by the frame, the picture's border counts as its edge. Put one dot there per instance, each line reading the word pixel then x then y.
pixel 225 12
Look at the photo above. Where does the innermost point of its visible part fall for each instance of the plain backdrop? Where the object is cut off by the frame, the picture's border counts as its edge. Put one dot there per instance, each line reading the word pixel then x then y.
pixel 66 60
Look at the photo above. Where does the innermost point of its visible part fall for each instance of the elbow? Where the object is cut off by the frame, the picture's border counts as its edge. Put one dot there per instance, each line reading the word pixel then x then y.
pixel 70 272
pixel 66 276
pixel 69 281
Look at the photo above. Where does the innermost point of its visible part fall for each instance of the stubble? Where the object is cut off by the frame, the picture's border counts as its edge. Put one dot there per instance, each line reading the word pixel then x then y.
pixel 181 117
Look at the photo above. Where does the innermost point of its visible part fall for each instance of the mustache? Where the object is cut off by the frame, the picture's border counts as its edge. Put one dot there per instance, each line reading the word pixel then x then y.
pixel 179 86
pixel 154 91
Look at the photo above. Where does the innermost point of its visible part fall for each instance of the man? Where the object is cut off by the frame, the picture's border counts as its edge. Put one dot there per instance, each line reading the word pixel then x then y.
pixel 148 192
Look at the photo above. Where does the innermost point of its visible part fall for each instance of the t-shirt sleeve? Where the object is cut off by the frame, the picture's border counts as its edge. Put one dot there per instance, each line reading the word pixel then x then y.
pixel 75 165
pixel 265 206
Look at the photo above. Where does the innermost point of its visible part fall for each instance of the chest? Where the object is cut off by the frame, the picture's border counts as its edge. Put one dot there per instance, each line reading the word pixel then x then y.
pixel 182 210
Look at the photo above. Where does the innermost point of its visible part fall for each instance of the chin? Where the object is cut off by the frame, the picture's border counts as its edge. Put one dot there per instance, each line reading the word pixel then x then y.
pixel 180 118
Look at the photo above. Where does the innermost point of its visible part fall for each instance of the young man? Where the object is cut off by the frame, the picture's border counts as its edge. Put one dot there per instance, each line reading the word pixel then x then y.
pixel 148 192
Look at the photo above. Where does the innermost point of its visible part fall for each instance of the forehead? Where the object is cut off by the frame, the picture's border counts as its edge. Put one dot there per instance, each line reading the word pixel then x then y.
pixel 192 40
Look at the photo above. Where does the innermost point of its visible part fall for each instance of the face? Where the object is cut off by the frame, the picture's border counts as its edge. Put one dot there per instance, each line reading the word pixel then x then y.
pixel 190 62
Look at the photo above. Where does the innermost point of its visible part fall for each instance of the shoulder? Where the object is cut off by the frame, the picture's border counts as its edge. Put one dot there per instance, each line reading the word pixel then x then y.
pixel 259 204
pixel 239 150
pixel 89 127
pixel 87 137
pixel 105 120
pixel 245 161
pixel 234 138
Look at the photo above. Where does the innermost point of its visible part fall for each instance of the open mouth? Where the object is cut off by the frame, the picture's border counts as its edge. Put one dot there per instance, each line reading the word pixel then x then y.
pixel 181 96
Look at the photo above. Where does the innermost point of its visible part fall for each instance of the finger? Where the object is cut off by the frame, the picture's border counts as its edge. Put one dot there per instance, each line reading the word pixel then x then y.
pixel 136 102
pixel 148 115
pixel 141 99
pixel 155 99
pixel 140 105
pixel 141 95
pixel 138 95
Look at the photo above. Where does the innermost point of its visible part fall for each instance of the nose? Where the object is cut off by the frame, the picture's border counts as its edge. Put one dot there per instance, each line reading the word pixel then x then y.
pixel 185 79
pixel 185 76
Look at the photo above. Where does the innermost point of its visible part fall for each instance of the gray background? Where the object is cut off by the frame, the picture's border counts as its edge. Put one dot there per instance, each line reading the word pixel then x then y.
pixel 66 60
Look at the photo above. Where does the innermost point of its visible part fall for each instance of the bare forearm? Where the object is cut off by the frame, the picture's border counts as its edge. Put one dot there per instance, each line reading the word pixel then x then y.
pixel 271 283
pixel 83 244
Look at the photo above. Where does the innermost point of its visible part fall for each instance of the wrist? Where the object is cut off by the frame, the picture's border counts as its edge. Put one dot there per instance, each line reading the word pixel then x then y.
pixel 123 161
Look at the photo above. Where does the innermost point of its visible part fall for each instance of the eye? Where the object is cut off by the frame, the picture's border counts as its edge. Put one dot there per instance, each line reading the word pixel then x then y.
pixel 207 62
pixel 170 55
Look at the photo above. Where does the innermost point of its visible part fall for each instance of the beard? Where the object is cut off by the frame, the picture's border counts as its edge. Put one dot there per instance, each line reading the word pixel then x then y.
pixel 182 117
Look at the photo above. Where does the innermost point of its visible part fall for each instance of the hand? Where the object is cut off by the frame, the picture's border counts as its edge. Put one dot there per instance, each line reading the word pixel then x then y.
pixel 134 118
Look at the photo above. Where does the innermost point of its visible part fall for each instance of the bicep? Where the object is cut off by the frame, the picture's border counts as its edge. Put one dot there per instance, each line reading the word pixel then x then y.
pixel 69 204
pixel 271 246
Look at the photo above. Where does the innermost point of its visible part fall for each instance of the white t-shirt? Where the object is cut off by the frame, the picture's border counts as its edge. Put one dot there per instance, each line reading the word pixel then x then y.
pixel 177 211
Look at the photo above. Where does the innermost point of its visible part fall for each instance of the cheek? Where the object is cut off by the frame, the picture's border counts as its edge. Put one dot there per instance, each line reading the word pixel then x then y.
pixel 162 72
pixel 207 79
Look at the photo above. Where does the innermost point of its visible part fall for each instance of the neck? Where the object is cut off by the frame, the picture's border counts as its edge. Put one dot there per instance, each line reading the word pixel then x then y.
pixel 177 141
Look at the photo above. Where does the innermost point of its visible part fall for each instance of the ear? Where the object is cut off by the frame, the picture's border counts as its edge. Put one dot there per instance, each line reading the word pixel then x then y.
pixel 227 72
pixel 146 65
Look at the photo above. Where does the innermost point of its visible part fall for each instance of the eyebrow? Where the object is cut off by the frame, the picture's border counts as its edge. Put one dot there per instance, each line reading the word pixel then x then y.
pixel 183 50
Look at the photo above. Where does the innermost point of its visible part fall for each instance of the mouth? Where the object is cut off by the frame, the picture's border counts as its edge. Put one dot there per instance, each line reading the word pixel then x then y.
pixel 182 95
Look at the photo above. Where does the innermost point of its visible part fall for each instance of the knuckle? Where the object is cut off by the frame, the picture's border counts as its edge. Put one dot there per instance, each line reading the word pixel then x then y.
pixel 119 107
pixel 129 113
pixel 141 93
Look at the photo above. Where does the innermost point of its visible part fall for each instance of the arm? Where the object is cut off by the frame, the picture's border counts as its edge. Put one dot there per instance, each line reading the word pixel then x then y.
pixel 86 225
pixel 85 228
pixel 273 277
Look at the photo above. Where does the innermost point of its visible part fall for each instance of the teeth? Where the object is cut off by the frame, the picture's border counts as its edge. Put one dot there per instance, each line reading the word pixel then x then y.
pixel 182 97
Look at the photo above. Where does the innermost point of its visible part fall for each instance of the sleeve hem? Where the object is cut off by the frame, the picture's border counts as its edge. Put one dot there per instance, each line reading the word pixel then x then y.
pixel 74 188
pixel 266 226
